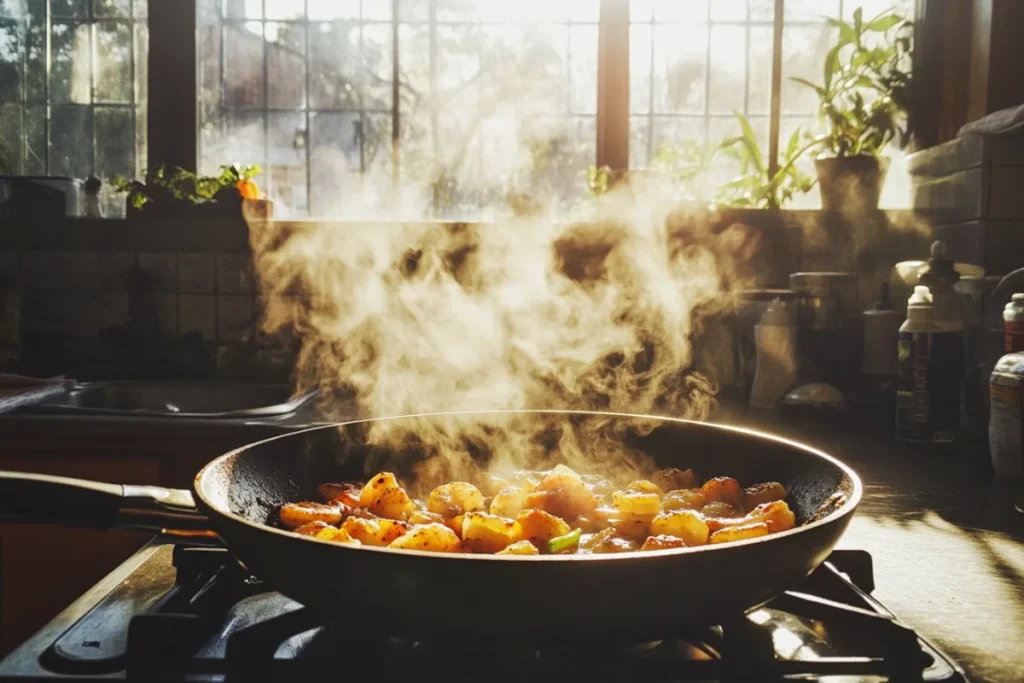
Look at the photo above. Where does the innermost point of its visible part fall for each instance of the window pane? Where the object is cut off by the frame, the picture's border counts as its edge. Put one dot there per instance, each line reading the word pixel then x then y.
pixel 729 10
pixel 71 95
pixel 640 36
pixel 13 131
pixel 78 9
pixel 114 141
pixel 727 80
pixel 583 61
pixel 112 8
pixel 810 10
pixel 680 68
pixel 639 141
pixel 762 10
pixel 711 59
pixel 10 61
pixel 69 126
pixel 232 137
pixel 803 53
pixel 675 130
pixel 495 98
pixel 70 63
pixel 759 98
pixel 243 65
pixel 286 65
pixel 681 10
pixel 114 50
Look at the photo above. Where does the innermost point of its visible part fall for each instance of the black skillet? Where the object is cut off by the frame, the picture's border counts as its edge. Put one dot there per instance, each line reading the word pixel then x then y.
pixel 425 595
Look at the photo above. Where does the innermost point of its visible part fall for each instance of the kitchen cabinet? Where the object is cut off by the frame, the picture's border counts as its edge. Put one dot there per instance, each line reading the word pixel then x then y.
pixel 44 568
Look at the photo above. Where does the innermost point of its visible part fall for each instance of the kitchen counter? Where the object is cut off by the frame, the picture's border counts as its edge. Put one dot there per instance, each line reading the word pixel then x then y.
pixel 22 423
pixel 947 543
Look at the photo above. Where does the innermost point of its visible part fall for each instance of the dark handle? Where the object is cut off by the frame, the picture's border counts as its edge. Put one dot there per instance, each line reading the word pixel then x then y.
pixel 45 499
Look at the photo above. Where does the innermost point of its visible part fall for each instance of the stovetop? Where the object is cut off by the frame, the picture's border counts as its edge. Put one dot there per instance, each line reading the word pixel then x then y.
pixel 189 613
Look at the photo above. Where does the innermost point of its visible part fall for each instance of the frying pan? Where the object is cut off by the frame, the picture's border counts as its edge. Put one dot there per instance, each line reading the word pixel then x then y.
pixel 432 595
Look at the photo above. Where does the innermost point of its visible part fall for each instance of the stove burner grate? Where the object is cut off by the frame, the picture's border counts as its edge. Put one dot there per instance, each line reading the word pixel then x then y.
pixel 214 622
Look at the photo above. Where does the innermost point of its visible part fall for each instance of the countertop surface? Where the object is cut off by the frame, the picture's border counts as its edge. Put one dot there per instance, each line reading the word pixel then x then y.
pixel 947 543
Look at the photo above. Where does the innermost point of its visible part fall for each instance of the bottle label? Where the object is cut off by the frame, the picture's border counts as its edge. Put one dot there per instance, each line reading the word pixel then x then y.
pixel 1005 430
pixel 929 382
pixel 1014 335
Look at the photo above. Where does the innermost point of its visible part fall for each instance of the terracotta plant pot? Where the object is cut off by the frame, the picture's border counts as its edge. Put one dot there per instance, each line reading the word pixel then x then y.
pixel 851 183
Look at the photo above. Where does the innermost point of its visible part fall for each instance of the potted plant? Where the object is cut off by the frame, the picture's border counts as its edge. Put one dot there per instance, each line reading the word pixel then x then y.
pixel 180 193
pixel 863 101
pixel 757 186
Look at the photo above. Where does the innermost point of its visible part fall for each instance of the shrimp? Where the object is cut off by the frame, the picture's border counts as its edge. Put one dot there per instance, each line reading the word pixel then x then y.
pixel 294 515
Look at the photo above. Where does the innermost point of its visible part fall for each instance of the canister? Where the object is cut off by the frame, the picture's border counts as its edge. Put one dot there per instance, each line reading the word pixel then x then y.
pixel 1006 421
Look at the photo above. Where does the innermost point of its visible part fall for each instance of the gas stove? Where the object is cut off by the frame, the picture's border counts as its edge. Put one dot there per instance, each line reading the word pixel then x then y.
pixel 190 613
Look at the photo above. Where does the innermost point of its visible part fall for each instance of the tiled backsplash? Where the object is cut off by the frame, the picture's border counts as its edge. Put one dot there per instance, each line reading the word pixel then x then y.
pixel 76 300
pixel 148 299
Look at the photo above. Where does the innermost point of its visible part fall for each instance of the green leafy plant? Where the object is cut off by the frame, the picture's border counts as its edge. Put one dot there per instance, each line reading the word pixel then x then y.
pixel 756 186
pixel 598 180
pixel 865 91
pixel 184 187
pixel 689 165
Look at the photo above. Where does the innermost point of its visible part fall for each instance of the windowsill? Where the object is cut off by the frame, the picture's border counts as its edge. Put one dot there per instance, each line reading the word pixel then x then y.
pixel 227 235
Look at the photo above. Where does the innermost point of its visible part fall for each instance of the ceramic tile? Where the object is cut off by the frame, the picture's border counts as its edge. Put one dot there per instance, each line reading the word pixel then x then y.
pixel 234 316
pixel 113 267
pixel 167 311
pixel 196 273
pixel 114 310
pixel 198 313
pixel 235 274
pixel 10 267
pixel 163 267
pixel 80 314
pixel 45 270
pixel 82 270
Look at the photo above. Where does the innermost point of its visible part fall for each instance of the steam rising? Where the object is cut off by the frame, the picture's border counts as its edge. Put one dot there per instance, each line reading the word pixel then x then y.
pixel 522 314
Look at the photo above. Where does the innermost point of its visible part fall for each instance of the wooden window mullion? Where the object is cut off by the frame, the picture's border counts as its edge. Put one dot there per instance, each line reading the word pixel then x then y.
pixel 173 87
pixel 613 85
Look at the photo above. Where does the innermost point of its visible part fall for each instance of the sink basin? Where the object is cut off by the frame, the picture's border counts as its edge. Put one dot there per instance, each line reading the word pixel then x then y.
pixel 221 400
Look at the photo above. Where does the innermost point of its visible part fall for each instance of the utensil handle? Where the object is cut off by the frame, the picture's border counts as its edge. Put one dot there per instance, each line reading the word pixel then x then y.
pixel 44 499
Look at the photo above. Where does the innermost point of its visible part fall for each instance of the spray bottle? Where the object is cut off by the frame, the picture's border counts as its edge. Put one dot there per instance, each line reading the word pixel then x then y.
pixel 929 374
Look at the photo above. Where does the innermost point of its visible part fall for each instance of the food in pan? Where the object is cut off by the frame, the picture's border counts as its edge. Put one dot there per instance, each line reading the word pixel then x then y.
pixel 544 512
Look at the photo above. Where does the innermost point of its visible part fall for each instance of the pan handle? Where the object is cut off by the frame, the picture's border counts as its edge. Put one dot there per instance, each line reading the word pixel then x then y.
pixel 46 499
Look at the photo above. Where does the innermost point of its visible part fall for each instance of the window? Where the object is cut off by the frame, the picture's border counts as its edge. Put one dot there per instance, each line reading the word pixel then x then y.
pixel 408 108
pixel 484 100
pixel 73 87
pixel 691 65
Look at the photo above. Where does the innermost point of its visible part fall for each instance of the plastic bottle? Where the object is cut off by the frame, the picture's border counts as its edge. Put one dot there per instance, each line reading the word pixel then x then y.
pixel 877 384
pixel 930 373
pixel 1013 323
pixel 1006 424
pixel 93 186
pixel 940 277
pixel 776 338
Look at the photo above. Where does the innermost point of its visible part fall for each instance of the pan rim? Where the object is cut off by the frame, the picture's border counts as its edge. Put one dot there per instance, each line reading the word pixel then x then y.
pixel 846 509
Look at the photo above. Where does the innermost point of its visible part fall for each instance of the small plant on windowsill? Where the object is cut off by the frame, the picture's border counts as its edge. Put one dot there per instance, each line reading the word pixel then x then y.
pixel 863 101
pixel 756 186
pixel 690 164
pixel 179 193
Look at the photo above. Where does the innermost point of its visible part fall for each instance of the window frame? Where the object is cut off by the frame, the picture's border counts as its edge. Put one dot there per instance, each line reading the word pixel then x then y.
pixel 174 75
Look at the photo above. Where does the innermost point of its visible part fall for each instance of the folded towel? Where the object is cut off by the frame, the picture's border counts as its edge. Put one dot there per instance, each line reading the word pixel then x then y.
pixel 1003 122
